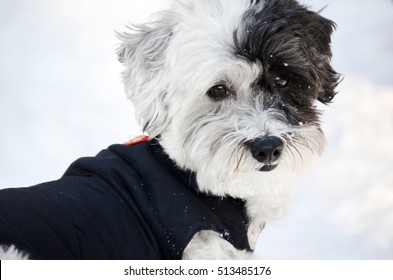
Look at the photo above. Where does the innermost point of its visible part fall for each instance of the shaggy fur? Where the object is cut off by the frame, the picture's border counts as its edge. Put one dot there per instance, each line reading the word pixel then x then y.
pixel 210 78
pixel 11 253
pixel 245 47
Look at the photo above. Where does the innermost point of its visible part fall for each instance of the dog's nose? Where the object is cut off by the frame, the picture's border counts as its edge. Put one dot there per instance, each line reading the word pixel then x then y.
pixel 266 150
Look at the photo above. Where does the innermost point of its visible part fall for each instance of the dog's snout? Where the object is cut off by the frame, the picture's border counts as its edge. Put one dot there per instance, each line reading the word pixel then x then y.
pixel 266 150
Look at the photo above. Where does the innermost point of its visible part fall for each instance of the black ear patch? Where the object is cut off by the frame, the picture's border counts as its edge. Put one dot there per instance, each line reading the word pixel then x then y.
pixel 321 30
pixel 316 32
pixel 284 31
pixel 330 79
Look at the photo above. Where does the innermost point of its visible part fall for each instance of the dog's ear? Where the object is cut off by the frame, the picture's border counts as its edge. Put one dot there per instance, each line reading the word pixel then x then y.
pixel 143 53
pixel 321 30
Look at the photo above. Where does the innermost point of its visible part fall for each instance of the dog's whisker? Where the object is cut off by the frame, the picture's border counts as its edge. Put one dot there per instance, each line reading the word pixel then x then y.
pixel 231 156
pixel 292 158
pixel 242 153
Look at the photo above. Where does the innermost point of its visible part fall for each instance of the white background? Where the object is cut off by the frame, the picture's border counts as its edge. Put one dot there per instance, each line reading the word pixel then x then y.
pixel 141 270
pixel 61 98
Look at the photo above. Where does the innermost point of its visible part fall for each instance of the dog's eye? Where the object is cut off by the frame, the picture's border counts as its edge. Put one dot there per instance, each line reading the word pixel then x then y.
pixel 281 81
pixel 218 92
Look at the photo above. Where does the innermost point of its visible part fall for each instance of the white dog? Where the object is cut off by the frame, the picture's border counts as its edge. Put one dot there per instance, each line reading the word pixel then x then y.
pixel 227 89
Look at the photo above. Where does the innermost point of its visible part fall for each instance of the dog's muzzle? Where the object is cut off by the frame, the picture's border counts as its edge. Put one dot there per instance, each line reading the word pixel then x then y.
pixel 266 150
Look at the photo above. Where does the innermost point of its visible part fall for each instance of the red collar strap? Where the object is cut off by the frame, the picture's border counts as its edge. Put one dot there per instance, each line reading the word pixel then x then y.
pixel 137 140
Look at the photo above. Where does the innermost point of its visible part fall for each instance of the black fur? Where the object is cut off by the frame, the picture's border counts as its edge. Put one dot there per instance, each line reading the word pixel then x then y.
pixel 291 41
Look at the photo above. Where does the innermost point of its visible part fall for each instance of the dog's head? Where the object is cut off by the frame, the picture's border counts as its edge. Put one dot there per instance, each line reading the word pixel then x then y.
pixel 230 88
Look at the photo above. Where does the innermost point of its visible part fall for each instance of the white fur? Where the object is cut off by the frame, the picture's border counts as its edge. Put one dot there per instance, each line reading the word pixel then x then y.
pixel 11 253
pixel 209 245
pixel 170 64
pixel 167 77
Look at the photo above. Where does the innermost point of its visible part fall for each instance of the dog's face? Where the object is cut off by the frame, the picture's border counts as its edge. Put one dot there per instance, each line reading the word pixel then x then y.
pixel 230 87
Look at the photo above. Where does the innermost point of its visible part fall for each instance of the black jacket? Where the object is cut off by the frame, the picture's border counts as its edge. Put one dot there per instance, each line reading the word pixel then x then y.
pixel 128 202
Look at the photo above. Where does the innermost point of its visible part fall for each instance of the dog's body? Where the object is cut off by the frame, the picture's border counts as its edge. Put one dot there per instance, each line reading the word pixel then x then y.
pixel 228 89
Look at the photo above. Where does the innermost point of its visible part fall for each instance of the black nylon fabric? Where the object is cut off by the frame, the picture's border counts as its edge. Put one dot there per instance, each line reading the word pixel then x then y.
pixel 125 203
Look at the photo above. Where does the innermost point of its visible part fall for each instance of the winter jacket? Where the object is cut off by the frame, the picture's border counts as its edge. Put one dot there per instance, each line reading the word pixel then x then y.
pixel 128 202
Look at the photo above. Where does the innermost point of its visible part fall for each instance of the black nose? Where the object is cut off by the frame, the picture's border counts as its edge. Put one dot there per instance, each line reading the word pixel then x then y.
pixel 266 150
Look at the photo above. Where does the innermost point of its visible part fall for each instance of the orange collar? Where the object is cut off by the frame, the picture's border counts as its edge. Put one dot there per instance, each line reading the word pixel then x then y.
pixel 137 140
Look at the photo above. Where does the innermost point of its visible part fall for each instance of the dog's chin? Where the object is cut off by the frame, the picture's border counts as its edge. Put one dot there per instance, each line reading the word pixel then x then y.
pixel 268 167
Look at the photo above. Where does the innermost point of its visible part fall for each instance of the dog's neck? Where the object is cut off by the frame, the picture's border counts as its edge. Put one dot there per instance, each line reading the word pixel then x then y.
pixel 229 212
pixel 260 209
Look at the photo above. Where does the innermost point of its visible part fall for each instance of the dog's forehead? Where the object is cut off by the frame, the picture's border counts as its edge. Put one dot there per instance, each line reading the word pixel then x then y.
pixel 249 28
pixel 204 37
pixel 210 20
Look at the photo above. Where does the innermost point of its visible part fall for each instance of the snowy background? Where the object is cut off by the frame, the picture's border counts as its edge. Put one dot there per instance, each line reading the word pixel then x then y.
pixel 61 98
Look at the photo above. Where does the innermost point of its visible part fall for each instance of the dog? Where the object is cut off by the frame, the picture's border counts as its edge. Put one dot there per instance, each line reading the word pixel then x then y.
pixel 226 91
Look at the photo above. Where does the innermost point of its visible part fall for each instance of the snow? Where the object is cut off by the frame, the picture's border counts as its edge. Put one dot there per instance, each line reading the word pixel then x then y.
pixel 61 98
pixel 344 210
